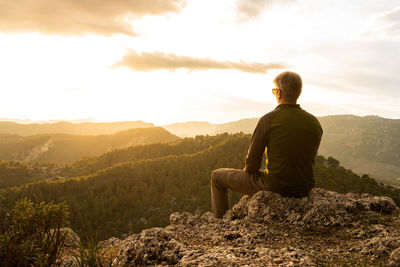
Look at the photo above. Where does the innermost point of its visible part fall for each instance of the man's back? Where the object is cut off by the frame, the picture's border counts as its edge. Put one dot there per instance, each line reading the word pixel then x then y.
pixel 291 137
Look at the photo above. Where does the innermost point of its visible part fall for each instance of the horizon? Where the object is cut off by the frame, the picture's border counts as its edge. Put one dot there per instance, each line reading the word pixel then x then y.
pixel 79 121
pixel 191 60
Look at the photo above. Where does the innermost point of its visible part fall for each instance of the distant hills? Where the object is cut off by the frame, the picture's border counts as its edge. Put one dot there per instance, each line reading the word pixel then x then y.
pixel 368 144
pixel 193 128
pixel 67 147
pixel 83 128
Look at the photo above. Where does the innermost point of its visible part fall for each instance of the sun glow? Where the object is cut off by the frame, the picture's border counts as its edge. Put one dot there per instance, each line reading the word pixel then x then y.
pixel 47 77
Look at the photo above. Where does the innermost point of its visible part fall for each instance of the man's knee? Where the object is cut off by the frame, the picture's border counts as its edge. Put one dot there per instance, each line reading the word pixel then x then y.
pixel 215 174
pixel 218 178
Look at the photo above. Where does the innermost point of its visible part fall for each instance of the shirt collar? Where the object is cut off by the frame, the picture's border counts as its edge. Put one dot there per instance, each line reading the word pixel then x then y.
pixel 288 105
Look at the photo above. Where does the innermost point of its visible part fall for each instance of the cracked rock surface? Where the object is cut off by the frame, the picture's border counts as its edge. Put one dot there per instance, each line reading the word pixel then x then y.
pixel 323 229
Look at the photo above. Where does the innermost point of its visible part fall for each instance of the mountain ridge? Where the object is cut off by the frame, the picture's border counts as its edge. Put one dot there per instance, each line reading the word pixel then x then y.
pixel 236 127
pixel 67 127
pixel 365 144
pixel 61 147
pixel 371 142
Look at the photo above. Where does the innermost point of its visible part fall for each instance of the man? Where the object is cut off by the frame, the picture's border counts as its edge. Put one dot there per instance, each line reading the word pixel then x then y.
pixel 290 137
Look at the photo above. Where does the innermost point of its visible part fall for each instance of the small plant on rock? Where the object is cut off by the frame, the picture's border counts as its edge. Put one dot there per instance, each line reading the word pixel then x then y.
pixel 31 234
pixel 92 255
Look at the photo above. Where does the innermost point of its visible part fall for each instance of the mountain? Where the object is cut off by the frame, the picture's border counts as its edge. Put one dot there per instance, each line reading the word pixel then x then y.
pixel 243 125
pixel 84 128
pixel 123 192
pixel 369 144
pixel 191 128
pixel 65 147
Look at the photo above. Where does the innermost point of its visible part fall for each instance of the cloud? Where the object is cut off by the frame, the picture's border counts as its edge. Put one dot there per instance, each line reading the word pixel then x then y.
pixel 157 60
pixel 77 17
pixel 391 20
pixel 393 15
pixel 248 9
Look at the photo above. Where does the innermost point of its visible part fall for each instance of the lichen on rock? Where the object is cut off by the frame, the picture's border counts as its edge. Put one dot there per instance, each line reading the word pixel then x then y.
pixel 70 248
pixel 320 208
pixel 152 246
pixel 267 229
pixel 394 260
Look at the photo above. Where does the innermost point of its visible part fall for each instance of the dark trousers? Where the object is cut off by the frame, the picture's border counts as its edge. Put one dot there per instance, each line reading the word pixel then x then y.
pixel 236 180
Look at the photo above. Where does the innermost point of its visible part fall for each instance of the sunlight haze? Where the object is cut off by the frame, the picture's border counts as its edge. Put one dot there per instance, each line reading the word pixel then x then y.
pixel 197 59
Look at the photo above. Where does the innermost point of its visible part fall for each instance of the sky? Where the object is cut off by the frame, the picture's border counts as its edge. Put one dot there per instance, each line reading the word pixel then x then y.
pixel 165 61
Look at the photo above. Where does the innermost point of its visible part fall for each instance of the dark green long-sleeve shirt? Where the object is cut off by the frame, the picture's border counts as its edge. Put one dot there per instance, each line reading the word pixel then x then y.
pixel 290 137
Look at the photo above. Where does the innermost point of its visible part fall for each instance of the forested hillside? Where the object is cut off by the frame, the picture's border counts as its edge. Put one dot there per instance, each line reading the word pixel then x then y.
pixel 127 190
pixel 15 173
pixel 66 148
pixel 89 165
pixel 369 144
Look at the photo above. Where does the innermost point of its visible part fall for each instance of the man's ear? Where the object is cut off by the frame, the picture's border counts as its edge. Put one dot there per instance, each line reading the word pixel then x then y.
pixel 279 94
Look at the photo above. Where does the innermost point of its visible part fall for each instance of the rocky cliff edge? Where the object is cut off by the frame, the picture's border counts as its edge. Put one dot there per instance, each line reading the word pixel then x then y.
pixel 324 229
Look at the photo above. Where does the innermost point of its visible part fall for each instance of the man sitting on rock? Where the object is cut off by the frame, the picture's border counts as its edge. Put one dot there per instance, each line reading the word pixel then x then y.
pixel 290 137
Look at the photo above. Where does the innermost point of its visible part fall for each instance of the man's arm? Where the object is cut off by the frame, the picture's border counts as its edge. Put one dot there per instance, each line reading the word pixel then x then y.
pixel 256 149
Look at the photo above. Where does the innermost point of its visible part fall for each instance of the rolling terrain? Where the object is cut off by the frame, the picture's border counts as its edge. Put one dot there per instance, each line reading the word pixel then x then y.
pixel 67 147
pixel 366 145
pixel 82 128
pixel 130 189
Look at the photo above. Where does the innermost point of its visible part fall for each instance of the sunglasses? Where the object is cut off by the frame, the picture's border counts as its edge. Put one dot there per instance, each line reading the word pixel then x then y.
pixel 275 91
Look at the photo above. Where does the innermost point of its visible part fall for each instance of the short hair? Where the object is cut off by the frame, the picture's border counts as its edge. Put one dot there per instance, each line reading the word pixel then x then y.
pixel 290 84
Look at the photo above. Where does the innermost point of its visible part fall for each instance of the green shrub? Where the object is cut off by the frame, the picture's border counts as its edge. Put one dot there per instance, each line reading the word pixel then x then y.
pixel 31 234
pixel 92 255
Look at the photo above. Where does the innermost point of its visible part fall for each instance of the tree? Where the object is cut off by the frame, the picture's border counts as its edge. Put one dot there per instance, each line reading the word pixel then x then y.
pixel 331 162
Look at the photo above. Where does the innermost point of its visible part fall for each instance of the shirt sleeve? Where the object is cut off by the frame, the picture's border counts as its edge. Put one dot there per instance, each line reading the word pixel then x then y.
pixel 256 149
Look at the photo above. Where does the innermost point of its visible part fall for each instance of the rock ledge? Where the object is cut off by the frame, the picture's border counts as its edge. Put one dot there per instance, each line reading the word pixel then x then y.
pixel 324 229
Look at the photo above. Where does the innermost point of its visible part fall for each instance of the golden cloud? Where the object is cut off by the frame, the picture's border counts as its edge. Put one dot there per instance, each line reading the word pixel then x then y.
pixel 248 9
pixel 76 17
pixel 157 60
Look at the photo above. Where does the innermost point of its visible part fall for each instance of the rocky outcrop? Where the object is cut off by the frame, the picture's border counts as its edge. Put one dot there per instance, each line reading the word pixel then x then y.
pixel 324 229
pixel 151 246
pixel 394 260
pixel 70 250
pixel 321 208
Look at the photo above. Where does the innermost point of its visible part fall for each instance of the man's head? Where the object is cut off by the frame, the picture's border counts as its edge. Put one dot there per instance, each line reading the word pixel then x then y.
pixel 289 85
